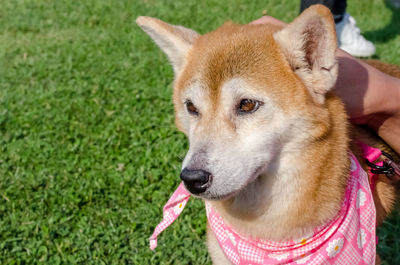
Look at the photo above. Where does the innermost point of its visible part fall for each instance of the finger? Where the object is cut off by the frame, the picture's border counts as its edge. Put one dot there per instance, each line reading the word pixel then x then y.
pixel 269 20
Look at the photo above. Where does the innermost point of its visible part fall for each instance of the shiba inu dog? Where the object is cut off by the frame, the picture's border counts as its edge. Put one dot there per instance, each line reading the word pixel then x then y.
pixel 269 141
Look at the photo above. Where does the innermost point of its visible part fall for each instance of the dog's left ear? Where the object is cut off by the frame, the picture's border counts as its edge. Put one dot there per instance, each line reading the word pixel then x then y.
pixel 174 41
pixel 309 45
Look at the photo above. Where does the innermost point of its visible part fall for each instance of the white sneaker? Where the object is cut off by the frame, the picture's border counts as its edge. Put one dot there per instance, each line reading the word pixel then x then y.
pixel 350 38
pixel 396 3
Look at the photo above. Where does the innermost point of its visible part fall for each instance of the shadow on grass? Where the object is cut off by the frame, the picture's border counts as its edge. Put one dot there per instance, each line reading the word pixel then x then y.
pixel 390 30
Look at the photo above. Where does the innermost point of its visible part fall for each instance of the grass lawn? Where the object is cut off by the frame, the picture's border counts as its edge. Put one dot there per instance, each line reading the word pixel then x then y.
pixel 88 149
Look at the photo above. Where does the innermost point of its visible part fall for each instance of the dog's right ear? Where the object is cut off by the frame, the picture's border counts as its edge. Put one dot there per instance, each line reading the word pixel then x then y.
pixel 174 41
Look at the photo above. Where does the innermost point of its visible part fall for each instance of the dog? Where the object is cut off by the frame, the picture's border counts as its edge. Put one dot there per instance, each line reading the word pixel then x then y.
pixel 271 151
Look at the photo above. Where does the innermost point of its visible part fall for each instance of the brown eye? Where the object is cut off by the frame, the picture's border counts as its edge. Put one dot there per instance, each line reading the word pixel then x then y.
pixel 191 108
pixel 248 106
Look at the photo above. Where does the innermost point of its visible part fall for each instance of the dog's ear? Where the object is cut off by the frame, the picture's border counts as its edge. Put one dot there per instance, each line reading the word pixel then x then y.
pixel 309 45
pixel 174 41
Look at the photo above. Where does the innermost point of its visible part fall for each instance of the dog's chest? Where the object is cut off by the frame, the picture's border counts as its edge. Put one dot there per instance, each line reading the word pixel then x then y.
pixel 349 237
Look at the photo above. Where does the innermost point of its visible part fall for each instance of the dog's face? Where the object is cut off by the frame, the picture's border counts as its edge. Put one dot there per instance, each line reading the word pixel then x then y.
pixel 246 95
pixel 227 101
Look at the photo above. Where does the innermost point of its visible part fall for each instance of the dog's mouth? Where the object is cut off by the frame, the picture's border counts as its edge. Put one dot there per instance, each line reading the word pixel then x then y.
pixel 221 197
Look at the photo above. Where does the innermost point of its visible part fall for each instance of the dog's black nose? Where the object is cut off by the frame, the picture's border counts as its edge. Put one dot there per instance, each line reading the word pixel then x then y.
pixel 196 181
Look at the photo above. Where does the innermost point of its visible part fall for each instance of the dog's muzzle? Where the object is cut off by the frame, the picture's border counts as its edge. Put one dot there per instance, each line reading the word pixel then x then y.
pixel 196 181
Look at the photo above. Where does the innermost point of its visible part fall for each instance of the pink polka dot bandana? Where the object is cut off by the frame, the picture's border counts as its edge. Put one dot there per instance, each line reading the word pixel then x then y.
pixel 348 239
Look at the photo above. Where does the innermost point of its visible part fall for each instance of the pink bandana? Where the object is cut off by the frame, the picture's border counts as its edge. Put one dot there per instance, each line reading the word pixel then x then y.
pixel 348 239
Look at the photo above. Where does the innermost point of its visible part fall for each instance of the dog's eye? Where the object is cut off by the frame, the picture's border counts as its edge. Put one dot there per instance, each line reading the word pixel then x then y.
pixel 248 106
pixel 191 108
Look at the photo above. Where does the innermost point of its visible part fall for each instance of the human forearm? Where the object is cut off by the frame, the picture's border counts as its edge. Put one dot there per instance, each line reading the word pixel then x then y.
pixel 371 97
pixel 364 89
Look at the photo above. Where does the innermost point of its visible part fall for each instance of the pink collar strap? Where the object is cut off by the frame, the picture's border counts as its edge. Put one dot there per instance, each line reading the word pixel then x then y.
pixel 348 239
pixel 371 154
pixel 387 166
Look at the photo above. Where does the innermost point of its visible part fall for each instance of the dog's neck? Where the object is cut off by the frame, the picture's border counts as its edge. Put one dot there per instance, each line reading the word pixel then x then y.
pixel 305 189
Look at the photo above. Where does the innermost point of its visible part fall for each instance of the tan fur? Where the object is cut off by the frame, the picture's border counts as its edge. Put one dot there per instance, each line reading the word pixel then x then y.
pixel 384 198
pixel 236 50
pixel 297 73
pixel 318 199
pixel 165 34
pixel 307 52
pixel 250 50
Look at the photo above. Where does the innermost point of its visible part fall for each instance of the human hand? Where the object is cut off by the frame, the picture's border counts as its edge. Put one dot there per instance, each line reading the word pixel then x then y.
pixel 269 20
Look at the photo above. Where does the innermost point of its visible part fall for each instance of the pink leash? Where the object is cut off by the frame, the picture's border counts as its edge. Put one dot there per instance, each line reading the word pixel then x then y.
pixel 387 166
pixel 371 154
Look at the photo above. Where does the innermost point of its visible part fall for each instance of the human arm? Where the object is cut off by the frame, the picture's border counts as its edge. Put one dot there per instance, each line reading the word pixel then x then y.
pixel 371 97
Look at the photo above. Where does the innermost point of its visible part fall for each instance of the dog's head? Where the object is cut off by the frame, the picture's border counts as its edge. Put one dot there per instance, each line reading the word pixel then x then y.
pixel 247 95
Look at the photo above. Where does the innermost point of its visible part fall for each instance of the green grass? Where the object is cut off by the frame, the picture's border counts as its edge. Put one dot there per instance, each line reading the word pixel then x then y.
pixel 88 149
